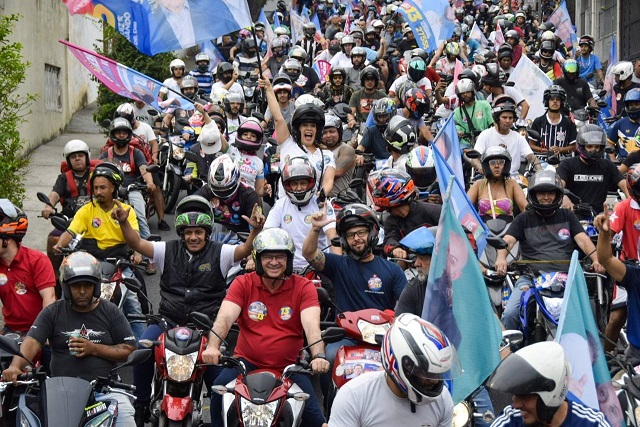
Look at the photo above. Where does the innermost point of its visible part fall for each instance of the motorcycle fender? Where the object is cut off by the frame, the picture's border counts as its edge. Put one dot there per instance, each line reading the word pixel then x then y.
pixel 176 408
pixel 23 410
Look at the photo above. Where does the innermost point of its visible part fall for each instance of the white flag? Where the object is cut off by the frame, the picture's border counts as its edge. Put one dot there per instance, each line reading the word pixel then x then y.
pixel 531 81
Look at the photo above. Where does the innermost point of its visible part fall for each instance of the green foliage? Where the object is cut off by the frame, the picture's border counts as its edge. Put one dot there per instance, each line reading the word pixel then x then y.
pixel 118 48
pixel 14 107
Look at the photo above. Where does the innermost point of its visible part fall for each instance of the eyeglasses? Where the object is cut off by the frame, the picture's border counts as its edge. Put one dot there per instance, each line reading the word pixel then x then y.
pixel 496 162
pixel 360 233
pixel 279 258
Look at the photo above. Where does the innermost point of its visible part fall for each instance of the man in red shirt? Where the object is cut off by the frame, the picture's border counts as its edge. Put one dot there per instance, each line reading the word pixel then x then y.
pixel 273 308
pixel 27 282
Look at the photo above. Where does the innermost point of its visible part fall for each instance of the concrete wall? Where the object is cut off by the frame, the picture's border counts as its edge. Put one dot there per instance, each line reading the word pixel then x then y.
pixel 43 23
pixel 600 19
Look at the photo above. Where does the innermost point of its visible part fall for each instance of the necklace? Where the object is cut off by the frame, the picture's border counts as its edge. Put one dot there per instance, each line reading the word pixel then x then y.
pixel 582 63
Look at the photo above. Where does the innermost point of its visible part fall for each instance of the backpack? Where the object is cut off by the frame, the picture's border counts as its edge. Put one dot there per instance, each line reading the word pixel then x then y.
pixel 135 143
pixel 132 161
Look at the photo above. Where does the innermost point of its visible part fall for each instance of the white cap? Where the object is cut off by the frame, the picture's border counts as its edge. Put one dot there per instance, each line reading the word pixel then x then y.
pixel 209 138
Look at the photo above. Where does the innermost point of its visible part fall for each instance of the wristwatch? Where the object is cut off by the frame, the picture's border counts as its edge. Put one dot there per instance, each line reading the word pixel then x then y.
pixel 320 356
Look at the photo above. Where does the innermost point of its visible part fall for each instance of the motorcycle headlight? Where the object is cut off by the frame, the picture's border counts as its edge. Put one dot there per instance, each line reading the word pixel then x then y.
pixel 107 290
pixel 248 91
pixel 257 415
pixel 461 414
pixel 369 330
pixel 180 366
pixel 178 153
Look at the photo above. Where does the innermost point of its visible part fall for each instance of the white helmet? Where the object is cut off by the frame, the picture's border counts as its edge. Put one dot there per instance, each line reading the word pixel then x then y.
pixel 308 99
pixel 624 69
pixel 465 85
pixel 224 177
pixel 539 368
pixel 413 350
pixel 177 63
pixel 76 146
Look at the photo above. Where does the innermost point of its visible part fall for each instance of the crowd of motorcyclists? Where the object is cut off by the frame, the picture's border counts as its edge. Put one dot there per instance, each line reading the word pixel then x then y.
pixel 292 174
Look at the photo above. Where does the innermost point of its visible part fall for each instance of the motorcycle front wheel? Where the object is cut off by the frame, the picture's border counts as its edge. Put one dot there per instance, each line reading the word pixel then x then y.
pixel 171 193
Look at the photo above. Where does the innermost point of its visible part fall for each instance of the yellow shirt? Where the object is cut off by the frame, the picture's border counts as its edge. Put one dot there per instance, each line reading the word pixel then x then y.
pixel 95 223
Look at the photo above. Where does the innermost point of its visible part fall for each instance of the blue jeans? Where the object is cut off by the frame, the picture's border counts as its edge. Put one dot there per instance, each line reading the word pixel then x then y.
pixel 125 408
pixel 137 203
pixel 511 314
pixel 132 306
pixel 143 372
pixel 483 404
pixel 311 416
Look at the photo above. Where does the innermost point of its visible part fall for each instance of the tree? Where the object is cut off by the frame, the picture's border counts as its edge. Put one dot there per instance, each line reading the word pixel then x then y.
pixel 14 107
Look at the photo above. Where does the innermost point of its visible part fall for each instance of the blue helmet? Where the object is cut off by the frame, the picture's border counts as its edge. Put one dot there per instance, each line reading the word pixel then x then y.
pixel 632 96
pixel 421 241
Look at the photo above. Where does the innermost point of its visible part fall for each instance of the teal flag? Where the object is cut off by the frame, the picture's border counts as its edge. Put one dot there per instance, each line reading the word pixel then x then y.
pixel 578 335
pixel 458 303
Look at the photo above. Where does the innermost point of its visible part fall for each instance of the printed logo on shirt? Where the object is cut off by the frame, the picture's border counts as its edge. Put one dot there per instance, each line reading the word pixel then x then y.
pixel 95 222
pixel 285 313
pixel 126 167
pixel 287 219
pixel 204 267
pixel 21 289
pixel 84 332
pixel 479 115
pixel 307 219
pixel 564 234
pixel 561 135
pixel 257 311
pixel 374 283
pixel 235 206
pixel 3 279
pixel 319 165
pixel 636 225
pixel 588 178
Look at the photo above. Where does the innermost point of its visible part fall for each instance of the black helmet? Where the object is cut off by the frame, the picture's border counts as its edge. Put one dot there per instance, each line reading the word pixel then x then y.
pixel 338 71
pixel 552 92
pixel 120 124
pixel 496 152
pixel 547 26
pixel 194 211
pixel 591 135
pixel 417 68
pixel 369 72
pixel 224 67
pixel 503 103
pixel 400 135
pixel 307 113
pixel 468 73
pixel 249 47
pixel 547 49
pixel 545 180
pixel 355 215
pixel 80 267
pixel 494 76
pixel 110 171
pixel 383 107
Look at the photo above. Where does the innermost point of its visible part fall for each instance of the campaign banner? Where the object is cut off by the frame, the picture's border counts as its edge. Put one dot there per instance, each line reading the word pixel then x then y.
pixel 564 27
pixel 322 68
pixel 531 81
pixel 439 16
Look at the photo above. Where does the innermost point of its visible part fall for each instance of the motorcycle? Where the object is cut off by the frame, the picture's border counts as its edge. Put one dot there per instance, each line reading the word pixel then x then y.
pixel 67 401
pixel 171 160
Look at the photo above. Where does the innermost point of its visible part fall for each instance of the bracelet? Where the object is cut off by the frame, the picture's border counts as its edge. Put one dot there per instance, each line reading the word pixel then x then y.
pixel 319 356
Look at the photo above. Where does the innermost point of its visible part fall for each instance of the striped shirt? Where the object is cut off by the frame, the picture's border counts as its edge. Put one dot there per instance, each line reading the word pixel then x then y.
pixel 205 80
pixel 577 416
pixel 561 134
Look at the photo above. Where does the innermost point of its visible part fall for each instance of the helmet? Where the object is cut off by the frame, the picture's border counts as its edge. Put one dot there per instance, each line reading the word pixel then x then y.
pixel 548 36
pixel 335 71
pixel 281 6
pixel 259 26
pixel 203 57
pixel 494 10
pixel 273 240
pixel 588 40
pixel 503 103
pixel 307 113
pixel 591 135
pixel 414 349
pixel 250 125
pixel 371 30
pixel 13 221
pixel 496 152
pixel 545 180
pixel 224 67
pixel 623 70
pixel 194 211
pixel 126 112
pixel 391 188
pixel 526 8
pixel 224 177
pixel 400 135
pixel 233 98
pixel 452 48
pixel 383 107
pixel 249 47
pixel 377 24
pixel 494 76
pixel 281 82
pixel 484 8
pixel 633 181
pixel 244 33
pixel 189 82
pixel 176 63
pixel 505 51
pixel 459 11
pixel 632 96
pixel 417 68
pixel 298 53
pixel 292 68
pixel 121 124
pixel 421 166
pixel 309 29
pixel 547 49
pixel 521 14
pixel 369 71
pixel 570 69
pixel 358 51
pixel 540 369
pixel 299 168
pixel 552 92
pixel 417 102
pixel 465 85
pixel 356 215
pixel 76 146
pixel 347 40
pixel 331 121
pixel 110 171
pixel 281 31
pixel 277 43
pixel 334 46
pixel 80 267
pixel 419 53
pixel 469 73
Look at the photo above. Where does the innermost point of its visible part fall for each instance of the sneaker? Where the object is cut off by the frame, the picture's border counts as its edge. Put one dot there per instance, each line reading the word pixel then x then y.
pixel 151 269
pixel 162 225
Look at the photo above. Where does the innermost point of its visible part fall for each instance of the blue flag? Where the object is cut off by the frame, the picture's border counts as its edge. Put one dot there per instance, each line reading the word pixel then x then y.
pixel 457 302
pixel 432 21
pixel 462 206
pixel 152 28
pixel 577 333
pixel 564 27
pixel 214 53
pixel 276 20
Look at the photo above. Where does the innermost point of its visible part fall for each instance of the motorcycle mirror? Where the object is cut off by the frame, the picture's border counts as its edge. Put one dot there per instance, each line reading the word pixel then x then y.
pixel 346 109
pixel 602 104
pixel 333 334
pixel 201 320
pixel 473 154
pixel 105 123
pixel 496 225
pixel 191 156
pixel 220 389
pixel 602 93
pixel 497 242
pixel 272 141
pixel 148 343
pixel 59 223
pixel 11 346
pixel 323 296
pixel 336 242
pixel 152 112
pixel 153 168
pixel 44 199
pixel 574 199
pixel 553 160
pixel 136 357
pixel 533 134
pixel 197 183
pixel 154 238
pixel 298 397
pixel 510 84
pixel 132 284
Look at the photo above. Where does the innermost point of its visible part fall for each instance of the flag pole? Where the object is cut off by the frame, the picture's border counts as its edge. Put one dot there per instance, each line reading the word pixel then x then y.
pixel 255 39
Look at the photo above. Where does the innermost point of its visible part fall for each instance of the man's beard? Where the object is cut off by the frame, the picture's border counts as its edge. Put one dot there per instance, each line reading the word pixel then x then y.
pixel 422 276
pixel 361 253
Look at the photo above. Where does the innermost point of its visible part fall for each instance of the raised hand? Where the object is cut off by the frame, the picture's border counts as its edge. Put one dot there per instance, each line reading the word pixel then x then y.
pixel 257 218
pixel 319 219
pixel 119 213
pixel 601 222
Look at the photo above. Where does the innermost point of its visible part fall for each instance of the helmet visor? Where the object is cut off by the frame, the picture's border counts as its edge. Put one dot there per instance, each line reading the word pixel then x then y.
pixel 425 382
pixel 515 375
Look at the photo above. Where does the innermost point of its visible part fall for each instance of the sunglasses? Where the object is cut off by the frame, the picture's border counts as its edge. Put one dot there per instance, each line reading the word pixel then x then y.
pixel 496 162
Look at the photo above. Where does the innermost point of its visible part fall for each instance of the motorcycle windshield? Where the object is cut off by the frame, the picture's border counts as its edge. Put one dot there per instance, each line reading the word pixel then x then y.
pixel 261 385
pixel 64 400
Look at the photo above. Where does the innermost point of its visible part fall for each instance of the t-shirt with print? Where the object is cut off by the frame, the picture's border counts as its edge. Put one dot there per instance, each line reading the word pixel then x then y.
pixel 359 285
pixel 289 149
pixel 546 237
pixel 232 127
pixel 105 324
pixel 145 133
pixel 271 319
pixel 481 118
pixel 131 172
pixel 250 167
pixel 589 182
pixel 363 102
pixel 622 133
pixel 96 223
pixel 626 218
pixel 561 134
pixel 142 114
pixel 513 142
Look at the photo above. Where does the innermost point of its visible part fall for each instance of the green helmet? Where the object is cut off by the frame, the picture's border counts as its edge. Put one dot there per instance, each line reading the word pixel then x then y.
pixel 194 211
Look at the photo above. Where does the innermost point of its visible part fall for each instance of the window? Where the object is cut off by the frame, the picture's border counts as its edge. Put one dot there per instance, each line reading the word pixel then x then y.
pixel 52 88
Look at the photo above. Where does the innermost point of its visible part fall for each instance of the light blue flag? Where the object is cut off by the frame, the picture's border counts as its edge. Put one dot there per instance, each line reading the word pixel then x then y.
pixel 276 20
pixel 578 335
pixel 419 25
pixel 462 206
pixel 214 53
pixel 457 302
pixel 370 122
pixel 564 27
pixel 432 21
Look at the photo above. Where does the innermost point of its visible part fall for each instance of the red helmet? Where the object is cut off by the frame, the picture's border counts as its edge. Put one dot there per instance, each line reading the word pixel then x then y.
pixel 391 188
pixel 417 102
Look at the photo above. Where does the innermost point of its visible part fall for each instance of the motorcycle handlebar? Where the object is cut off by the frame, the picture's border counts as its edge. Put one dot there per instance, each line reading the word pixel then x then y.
pixel 123 386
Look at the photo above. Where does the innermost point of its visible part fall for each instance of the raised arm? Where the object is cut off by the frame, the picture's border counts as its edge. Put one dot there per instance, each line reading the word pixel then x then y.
pixel 131 236
pixel 282 129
